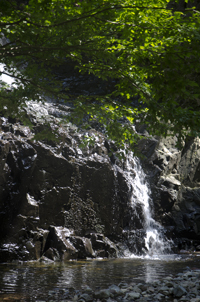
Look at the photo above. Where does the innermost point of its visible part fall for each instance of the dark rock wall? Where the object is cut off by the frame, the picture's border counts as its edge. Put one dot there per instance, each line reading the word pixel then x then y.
pixel 44 184
pixel 62 202
pixel 175 183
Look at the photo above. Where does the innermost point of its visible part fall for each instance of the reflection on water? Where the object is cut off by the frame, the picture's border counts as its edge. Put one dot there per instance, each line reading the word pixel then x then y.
pixel 38 278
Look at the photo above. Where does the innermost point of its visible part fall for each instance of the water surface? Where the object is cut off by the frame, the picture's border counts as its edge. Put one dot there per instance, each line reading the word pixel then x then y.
pixel 34 280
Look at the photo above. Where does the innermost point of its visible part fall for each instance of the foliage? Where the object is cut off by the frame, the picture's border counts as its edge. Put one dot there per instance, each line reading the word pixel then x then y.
pixel 149 48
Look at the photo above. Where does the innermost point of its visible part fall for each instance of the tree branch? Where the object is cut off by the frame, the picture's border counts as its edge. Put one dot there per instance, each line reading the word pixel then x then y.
pixel 91 15
pixel 2 24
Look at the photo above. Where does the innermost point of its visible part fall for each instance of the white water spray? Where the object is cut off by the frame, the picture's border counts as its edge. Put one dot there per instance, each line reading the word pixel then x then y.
pixel 155 242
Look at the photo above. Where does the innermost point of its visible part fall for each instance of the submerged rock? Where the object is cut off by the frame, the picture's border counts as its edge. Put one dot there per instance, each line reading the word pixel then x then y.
pixel 179 291
pixel 160 292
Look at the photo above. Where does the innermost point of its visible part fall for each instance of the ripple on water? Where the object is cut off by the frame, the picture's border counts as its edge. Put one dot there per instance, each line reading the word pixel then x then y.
pixel 40 278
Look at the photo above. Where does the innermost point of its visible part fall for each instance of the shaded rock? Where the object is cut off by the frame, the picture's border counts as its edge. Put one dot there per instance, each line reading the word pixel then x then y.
pixel 87 289
pixel 61 243
pixel 132 295
pixel 173 174
pixel 137 289
pixel 97 241
pixel 101 254
pixel 102 294
pixel 186 213
pixel 159 297
pixel 151 289
pixel 147 146
pixel 164 290
pixel 179 291
pixel 83 245
pixel 44 183
pixel 52 254
pixel 57 239
pixel 115 290
pixel 86 297
pixel 101 243
pixel 134 240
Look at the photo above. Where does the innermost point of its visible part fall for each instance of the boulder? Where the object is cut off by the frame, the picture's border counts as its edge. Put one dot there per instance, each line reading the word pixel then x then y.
pixel 179 291
pixel 58 240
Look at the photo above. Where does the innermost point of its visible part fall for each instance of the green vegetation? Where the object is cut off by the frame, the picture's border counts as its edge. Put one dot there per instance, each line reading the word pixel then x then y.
pixel 149 48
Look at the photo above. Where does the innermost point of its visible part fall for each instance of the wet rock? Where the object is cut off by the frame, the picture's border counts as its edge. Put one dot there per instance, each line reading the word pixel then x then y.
pixel 86 297
pixel 169 284
pixel 102 294
pixel 137 289
pixel 179 291
pixel 132 295
pixel 123 284
pixel 159 297
pixel 83 245
pixel 164 290
pixel 197 299
pixel 97 240
pixel 115 293
pixel 160 292
pixel 115 290
pixel 62 244
pixel 46 183
pixel 188 275
pixel 44 259
pixel 174 177
pixel 52 254
pixel 143 287
pixel 186 212
pixel 110 300
pixel 57 239
pixel 150 289
pixel 111 248
pixel 101 254
pixel 87 289
pixel 103 246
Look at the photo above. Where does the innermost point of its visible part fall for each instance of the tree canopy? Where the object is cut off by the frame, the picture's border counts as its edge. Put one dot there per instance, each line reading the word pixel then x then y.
pixel 150 49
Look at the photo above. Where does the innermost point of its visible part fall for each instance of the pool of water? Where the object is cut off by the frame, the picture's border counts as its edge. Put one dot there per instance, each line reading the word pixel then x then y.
pixel 32 281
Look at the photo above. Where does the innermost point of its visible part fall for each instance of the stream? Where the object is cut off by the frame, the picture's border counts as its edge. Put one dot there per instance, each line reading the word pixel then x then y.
pixel 32 281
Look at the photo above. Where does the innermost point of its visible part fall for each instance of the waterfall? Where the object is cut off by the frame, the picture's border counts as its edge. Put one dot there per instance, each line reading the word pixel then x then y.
pixel 154 240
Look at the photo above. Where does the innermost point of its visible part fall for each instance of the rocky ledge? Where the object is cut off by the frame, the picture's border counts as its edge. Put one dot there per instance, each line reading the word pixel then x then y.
pixel 174 177
pixel 56 199
pixel 181 287
pixel 64 202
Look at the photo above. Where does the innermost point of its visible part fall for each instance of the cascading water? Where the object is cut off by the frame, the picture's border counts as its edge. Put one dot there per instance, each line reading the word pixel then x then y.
pixel 155 242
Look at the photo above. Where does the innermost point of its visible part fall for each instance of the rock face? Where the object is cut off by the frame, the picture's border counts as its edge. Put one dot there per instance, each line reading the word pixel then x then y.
pixel 174 176
pixel 60 202
pixel 56 199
